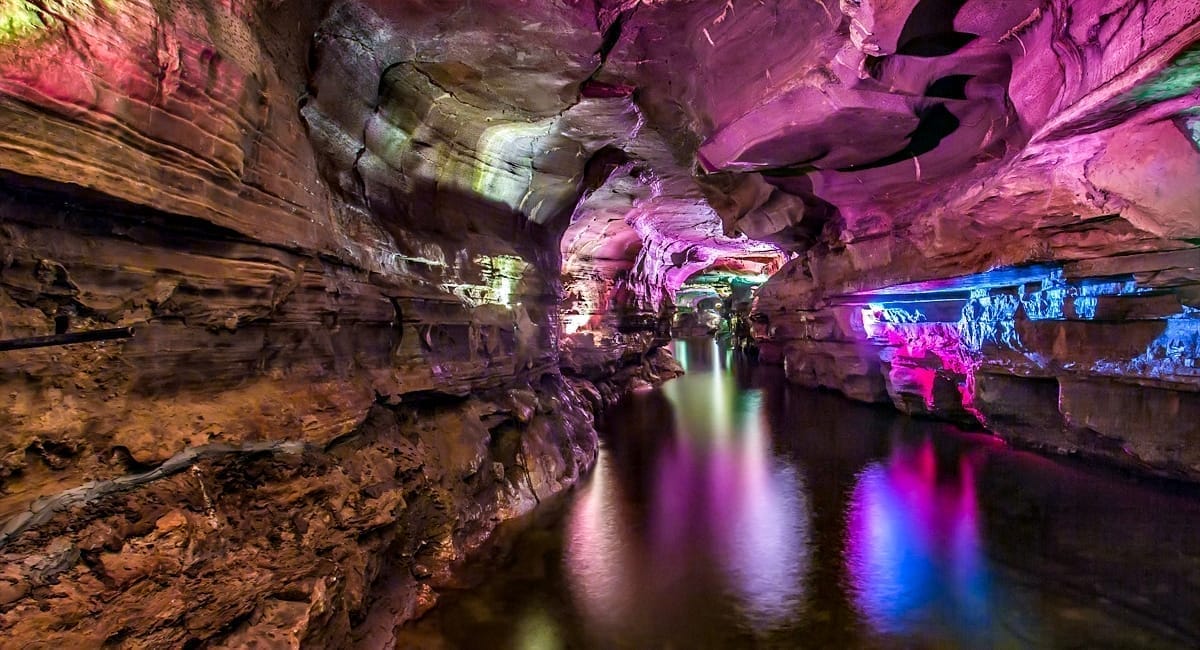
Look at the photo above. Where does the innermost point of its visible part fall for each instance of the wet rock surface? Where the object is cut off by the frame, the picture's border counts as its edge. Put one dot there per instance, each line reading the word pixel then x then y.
pixel 293 543
pixel 731 509
pixel 316 214
pixel 327 376
pixel 1100 365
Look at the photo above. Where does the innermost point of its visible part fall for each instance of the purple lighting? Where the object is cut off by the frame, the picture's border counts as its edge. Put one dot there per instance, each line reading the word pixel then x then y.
pixel 719 505
pixel 934 337
pixel 913 550
pixel 719 476
pixel 602 570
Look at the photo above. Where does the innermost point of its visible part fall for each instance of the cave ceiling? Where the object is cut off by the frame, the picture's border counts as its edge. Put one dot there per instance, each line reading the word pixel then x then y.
pixel 909 138
pixel 670 134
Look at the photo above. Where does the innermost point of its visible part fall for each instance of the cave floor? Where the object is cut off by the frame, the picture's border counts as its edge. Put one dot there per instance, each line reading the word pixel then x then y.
pixel 729 509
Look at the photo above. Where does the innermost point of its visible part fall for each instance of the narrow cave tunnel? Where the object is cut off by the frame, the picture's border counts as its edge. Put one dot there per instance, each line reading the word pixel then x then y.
pixel 603 324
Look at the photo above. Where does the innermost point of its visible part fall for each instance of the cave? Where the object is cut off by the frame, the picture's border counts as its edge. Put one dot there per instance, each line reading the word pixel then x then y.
pixel 599 324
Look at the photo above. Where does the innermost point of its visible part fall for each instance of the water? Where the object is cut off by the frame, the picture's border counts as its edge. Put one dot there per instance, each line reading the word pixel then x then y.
pixel 731 510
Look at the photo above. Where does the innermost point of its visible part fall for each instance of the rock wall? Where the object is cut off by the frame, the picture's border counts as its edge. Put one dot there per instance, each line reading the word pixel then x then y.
pixel 345 367
pixel 285 542
pixel 1045 290
pixel 1098 357
pixel 345 232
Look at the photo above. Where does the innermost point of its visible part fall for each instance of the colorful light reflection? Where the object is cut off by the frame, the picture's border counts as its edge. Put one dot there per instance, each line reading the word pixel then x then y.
pixel 913 549
pixel 720 482
pixel 721 512
pixel 500 277
pixel 602 569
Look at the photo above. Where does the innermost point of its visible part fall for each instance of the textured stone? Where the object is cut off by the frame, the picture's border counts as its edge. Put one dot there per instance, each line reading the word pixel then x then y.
pixel 326 220
pixel 290 544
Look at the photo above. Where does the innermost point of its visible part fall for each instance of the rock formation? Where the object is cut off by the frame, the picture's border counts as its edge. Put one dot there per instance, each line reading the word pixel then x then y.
pixel 385 259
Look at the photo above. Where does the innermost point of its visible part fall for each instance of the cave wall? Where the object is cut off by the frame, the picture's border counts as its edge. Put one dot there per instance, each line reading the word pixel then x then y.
pixel 1039 282
pixel 344 289
pixel 904 152
pixel 1094 356
pixel 384 259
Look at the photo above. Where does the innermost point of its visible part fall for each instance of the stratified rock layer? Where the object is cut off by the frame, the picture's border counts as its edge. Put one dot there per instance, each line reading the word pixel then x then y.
pixel 345 368
pixel 1043 286
pixel 291 542
pixel 382 258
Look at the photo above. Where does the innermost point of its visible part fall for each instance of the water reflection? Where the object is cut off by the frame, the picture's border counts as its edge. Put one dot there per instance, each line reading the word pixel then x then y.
pixel 603 570
pixel 731 510
pixel 913 547
pixel 719 514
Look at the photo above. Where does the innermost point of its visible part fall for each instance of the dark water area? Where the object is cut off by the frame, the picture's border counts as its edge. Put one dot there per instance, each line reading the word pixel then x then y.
pixel 729 509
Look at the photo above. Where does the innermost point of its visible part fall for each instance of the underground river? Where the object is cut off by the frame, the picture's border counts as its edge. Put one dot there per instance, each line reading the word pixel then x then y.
pixel 729 509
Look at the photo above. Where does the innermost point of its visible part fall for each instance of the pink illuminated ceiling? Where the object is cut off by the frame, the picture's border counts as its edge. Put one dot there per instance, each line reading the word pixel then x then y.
pixel 885 139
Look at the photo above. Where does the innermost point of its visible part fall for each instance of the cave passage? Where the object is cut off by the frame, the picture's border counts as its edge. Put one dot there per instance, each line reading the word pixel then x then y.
pixel 309 308
pixel 730 509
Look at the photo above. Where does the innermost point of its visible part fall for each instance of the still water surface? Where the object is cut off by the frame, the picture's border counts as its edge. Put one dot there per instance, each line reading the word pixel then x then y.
pixel 729 509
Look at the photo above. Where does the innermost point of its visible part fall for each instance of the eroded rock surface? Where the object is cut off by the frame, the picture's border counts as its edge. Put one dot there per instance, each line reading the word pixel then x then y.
pixel 345 368
pixel 282 543
pixel 370 249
